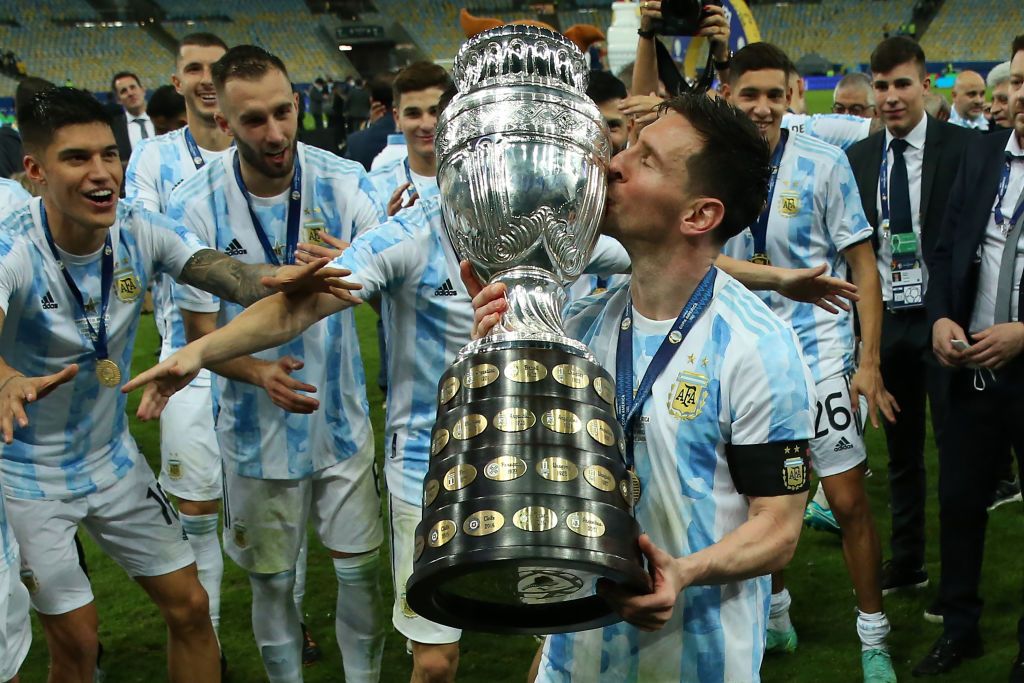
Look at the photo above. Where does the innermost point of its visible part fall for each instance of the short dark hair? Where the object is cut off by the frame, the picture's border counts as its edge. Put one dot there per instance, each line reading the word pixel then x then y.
pixel 27 87
pixel 446 97
pixel 165 101
pixel 381 91
pixel 202 39
pixel 604 86
pixel 759 57
pixel 1017 46
pixel 122 74
pixel 247 62
pixel 734 165
pixel 54 108
pixel 419 76
pixel 894 51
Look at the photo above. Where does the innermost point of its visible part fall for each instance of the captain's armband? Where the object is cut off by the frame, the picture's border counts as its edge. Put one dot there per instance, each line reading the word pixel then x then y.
pixel 769 469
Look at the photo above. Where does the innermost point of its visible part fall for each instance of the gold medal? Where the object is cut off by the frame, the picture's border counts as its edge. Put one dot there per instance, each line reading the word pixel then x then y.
pixel 107 372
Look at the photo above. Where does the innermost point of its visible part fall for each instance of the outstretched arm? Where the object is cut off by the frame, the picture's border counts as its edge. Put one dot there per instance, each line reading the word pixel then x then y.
pixel 246 283
pixel 809 285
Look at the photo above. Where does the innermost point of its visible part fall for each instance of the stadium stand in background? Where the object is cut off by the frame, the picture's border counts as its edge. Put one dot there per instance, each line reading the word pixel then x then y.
pixel 973 30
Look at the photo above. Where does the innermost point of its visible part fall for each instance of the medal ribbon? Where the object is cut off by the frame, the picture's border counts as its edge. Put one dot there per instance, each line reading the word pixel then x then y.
pixel 1004 185
pixel 99 338
pixel 628 405
pixel 294 213
pixel 760 227
pixel 193 150
pixel 408 176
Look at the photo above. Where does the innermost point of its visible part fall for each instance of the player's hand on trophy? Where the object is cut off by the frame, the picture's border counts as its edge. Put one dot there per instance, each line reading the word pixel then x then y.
pixel 151 405
pixel 488 302
pixel 312 278
pixel 649 611
pixel 331 247
pixel 812 286
pixel 172 375
pixel 395 203
pixel 282 388
pixel 18 390
pixel 867 382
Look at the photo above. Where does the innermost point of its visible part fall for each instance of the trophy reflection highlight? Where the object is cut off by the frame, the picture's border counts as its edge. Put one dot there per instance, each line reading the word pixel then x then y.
pixel 527 501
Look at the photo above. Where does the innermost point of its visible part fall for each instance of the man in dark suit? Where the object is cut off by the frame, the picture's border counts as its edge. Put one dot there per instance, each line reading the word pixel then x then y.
pixel 920 156
pixel 974 305
pixel 364 145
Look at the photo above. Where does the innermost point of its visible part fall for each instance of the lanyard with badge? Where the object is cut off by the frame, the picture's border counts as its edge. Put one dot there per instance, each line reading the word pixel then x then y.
pixel 905 262
pixel 107 372
pixel 629 403
pixel 408 176
pixel 760 227
pixel 294 213
pixel 1005 223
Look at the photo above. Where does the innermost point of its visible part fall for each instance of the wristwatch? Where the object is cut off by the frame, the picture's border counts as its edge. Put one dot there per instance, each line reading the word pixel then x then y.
pixel 722 66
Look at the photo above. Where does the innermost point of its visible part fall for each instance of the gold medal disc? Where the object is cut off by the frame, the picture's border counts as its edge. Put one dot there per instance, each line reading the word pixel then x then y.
pixel 107 372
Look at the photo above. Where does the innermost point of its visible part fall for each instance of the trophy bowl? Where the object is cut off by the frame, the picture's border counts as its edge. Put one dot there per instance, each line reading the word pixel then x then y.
pixel 527 501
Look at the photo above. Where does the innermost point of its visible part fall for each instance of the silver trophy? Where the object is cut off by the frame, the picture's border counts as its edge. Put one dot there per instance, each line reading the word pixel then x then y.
pixel 527 501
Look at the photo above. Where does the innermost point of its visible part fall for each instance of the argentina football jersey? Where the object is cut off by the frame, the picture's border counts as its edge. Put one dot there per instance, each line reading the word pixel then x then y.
pixel 815 214
pixel 738 379
pixel 428 317
pixel 396 173
pixel 157 166
pixel 12 195
pixel 77 440
pixel 841 130
pixel 257 438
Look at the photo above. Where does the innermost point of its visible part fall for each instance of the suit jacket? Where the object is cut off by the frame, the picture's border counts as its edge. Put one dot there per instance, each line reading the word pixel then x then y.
pixel 365 144
pixel 944 146
pixel 119 124
pixel 955 263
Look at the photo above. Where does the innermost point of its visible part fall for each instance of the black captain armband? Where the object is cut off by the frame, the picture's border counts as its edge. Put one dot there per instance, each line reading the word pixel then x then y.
pixel 769 469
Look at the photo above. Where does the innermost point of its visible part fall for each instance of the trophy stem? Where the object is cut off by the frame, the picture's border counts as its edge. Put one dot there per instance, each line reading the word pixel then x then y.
pixel 534 314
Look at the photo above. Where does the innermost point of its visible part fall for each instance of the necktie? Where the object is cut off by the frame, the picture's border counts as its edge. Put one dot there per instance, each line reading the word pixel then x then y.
pixel 1007 281
pixel 142 127
pixel 900 219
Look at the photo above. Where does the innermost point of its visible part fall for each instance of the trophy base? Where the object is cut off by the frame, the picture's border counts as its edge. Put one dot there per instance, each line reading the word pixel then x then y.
pixel 511 590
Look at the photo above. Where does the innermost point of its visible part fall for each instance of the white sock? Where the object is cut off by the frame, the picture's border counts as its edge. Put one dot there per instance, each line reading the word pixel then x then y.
pixel 275 625
pixel 357 619
pixel 778 615
pixel 873 630
pixel 299 592
pixel 202 536
pixel 820 499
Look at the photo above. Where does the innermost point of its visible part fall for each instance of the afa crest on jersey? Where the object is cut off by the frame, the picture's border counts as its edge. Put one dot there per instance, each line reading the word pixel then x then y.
pixel 689 393
pixel 127 286
pixel 789 204
pixel 794 473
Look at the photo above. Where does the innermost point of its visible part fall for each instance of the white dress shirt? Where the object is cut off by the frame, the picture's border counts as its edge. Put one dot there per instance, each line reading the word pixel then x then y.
pixel 134 131
pixel 984 314
pixel 914 157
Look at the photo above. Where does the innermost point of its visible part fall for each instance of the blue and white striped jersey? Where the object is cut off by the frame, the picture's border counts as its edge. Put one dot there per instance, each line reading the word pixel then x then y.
pixel 428 316
pixel 157 166
pixel 12 195
pixel 396 173
pixel 840 130
pixel 77 440
pixel 746 384
pixel 256 437
pixel 816 213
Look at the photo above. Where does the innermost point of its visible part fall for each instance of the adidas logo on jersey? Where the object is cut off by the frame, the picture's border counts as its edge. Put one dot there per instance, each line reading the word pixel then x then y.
pixel 235 248
pixel 843 445
pixel 446 289
pixel 48 303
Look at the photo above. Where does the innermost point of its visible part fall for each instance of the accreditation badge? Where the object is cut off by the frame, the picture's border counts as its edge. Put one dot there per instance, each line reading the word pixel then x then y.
pixel 689 393
pixel 126 285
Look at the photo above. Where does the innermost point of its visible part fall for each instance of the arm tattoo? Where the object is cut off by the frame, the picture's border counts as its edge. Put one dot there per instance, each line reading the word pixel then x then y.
pixel 225 277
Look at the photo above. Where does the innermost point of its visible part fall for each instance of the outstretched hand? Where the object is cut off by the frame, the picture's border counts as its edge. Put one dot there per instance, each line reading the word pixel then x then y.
pixel 812 286
pixel 19 390
pixel 170 376
pixel 312 278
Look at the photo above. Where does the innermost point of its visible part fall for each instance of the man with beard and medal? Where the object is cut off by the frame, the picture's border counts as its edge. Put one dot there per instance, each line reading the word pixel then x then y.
pixel 289 459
